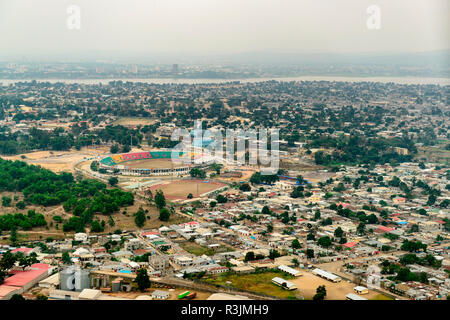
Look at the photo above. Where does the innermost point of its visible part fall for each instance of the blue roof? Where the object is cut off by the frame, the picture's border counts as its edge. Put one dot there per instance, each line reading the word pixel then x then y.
pixel 125 271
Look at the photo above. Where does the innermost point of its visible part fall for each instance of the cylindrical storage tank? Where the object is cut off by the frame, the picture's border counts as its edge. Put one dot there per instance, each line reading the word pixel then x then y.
pixel 115 286
pixel 67 279
pixel 81 280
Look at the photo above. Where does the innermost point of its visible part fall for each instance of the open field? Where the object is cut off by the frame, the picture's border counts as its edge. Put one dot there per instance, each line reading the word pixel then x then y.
pixel 179 189
pixel 435 154
pixel 255 282
pixel 153 164
pixel 59 161
pixel 199 250
pixel 134 121
pixel 307 284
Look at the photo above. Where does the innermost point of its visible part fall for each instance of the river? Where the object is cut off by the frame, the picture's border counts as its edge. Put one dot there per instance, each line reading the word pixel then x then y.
pixel 399 80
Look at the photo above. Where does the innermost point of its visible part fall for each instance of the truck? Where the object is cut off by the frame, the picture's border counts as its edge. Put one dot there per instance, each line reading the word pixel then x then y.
pixel 183 295
pixel 191 296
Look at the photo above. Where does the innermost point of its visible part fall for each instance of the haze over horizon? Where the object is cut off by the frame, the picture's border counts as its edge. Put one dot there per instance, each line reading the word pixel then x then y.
pixel 138 29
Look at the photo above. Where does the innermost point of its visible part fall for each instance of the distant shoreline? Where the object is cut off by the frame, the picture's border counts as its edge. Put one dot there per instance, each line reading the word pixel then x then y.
pixel 397 80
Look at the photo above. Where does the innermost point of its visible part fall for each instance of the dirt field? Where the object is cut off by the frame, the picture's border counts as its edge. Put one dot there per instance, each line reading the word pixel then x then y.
pixel 153 164
pixel 307 284
pixel 132 122
pixel 58 161
pixel 179 189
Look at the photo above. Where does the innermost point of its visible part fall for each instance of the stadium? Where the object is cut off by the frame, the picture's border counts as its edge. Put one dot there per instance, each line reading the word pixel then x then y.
pixel 152 163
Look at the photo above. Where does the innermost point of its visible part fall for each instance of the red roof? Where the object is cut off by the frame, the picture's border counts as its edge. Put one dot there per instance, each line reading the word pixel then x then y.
pixel 23 277
pixel 385 229
pixel 350 244
pixel 24 250
pixel 150 233
pixel 343 204
pixel 4 290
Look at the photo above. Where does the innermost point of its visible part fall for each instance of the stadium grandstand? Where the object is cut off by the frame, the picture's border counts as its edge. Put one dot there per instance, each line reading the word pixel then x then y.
pixel 150 163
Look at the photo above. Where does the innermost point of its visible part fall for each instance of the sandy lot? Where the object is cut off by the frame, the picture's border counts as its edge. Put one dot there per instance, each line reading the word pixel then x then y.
pixel 307 284
pixel 179 189
pixel 132 122
pixel 58 161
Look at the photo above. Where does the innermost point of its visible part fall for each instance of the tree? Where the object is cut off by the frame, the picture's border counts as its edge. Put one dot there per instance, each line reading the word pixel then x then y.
pixel 142 279
pixel 26 261
pixel 431 200
pixel 197 173
pixel 274 254
pixel 6 201
pixel 300 179
pixel 265 210
pixel 317 215
pixel 216 167
pixel 269 228
pixel 113 181
pixel 221 199
pixel 190 196
pixel 13 236
pixel 321 292
pixel 139 217
pixel 296 244
pixel 164 214
pixel 96 226
pixel 114 148
pixel 160 200
pixel 249 256
pixel 338 232
pixel 245 187
pixel 309 253
pixel 324 242
pixel 361 229
pixel 126 148
pixel 17 297
pixel 66 258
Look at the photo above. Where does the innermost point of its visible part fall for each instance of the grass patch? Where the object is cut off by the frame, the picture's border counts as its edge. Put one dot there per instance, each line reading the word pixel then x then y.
pixel 382 297
pixel 199 250
pixel 259 282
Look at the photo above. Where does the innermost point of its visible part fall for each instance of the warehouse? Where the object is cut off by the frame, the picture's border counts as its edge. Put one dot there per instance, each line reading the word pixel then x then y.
pixel 289 270
pixel 361 290
pixel 326 275
pixel 284 283
pixel 352 296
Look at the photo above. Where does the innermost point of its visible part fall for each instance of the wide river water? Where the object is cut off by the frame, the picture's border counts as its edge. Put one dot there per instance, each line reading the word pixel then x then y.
pixel 400 80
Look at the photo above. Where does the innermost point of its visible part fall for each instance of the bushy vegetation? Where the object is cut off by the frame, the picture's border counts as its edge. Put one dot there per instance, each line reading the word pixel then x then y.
pixel 45 188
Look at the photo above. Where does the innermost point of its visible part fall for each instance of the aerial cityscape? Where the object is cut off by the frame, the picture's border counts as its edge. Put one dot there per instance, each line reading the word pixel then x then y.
pixel 225 179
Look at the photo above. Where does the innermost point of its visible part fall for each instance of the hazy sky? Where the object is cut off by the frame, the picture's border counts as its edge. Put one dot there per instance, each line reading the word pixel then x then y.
pixel 31 28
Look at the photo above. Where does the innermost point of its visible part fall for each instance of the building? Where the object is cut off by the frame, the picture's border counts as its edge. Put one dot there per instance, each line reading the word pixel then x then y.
pixel 284 283
pixel 158 262
pixel 160 295
pixel 352 296
pixel 22 281
pixel 326 275
pixel 289 270
pixel 361 290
